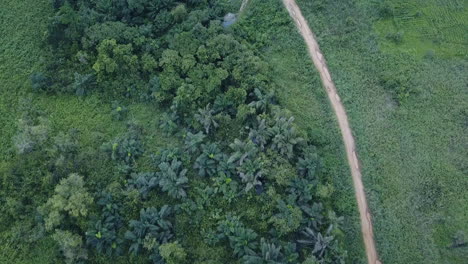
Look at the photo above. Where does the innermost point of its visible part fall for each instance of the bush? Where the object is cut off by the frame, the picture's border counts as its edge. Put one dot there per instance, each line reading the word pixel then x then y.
pixel 71 198
pixel 71 246
pixel 172 253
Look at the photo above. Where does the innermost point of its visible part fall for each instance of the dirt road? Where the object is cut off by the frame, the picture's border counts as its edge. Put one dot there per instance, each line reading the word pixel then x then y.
pixel 320 64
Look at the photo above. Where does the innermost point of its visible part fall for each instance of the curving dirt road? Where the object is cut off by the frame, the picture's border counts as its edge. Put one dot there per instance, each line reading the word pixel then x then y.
pixel 320 64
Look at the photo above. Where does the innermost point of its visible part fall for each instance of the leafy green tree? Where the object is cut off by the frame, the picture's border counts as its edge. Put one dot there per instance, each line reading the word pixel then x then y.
pixel 114 59
pixel 71 198
pixel 309 164
pixel 241 239
pixel 205 117
pixel 251 172
pixel 103 234
pixel 288 219
pixel 179 13
pixel 270 254
pixel 71 246
pixel 207 162
pixel 172 253
pixel 31 134
pixel 143 182
pixel 83 83
pixel 242 151
pixel 172 179
pixel 193 141
pixel 260 136
pixel 40 82
pixel 226 186
pixel 320 243
pixel 283 136
pixel 262 100
pixel 153 228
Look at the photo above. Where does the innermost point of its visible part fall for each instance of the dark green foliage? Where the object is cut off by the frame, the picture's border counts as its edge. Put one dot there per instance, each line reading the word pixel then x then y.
pixel 241 239
pixel 270 254
pixel 309 164
pixel 168 123
pixel 152 229
pixel 104 234
pixel 207 162
pixel 126 148
pixel 172 179
pixel 143 182
pixel 242 151
pixel 251 172
pixel 287 219
pixel 206 119
pixel 119 112
pixel 260 135
pixel 283 135
pixel 40 82
pixel 317 241
pixel 262 100
pixel 83 83
pixel 193 141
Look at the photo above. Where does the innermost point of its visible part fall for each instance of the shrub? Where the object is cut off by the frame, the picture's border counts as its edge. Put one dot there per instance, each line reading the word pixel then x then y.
pixel 40 82
pixel 152 229
pixel 71 246
pixel 71 198
pixel 172 253
pixel 172 179
pixel 288 219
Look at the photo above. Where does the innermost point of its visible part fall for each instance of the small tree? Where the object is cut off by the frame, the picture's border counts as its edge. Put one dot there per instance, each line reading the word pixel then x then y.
pixel 270 254
pixel 288 219
pixel 205 117
pixel 193 141
pixel 283 136
pixel 172 253
pixel 241 239
pixel 173 179
pixel 152 229
pixel 31 134
pixel 206 163
pixel 71 198
pixel 40 82
pixel 71 246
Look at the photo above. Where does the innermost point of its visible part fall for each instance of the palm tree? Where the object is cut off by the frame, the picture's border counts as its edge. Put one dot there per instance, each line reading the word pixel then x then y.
pixel 206 118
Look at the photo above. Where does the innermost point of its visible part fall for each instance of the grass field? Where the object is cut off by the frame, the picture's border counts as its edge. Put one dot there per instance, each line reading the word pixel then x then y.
pixel 426 27
pixel 412 136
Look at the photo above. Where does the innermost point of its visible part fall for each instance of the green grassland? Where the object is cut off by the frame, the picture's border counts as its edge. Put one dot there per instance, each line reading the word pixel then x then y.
pixel 409 115
pixel 426 27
